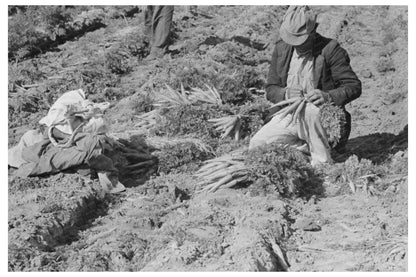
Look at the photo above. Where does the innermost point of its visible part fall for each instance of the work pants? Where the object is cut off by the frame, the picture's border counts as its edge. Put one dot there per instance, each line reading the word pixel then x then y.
pixel 158 23
pixel 307 133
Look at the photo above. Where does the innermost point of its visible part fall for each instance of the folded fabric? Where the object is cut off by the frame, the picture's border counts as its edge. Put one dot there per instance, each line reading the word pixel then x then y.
pixel 15 155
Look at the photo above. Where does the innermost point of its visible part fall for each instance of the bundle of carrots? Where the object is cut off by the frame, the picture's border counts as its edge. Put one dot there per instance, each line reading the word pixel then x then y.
pixel 295 108
pixel 170 97
pixel 332 117
pixel 222 172
pixel 278 168
pixel 228 125
pixel 210 96
pixel 147 120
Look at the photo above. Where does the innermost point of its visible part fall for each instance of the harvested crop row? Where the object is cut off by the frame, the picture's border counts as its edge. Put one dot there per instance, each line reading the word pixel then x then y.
pixel 181 154
pixel 44 218
pixel 57 24
pixel 187 112
pixel 134 159
pixel 269 168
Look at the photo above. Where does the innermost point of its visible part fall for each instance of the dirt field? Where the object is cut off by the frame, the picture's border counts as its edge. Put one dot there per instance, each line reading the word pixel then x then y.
pixel 356 219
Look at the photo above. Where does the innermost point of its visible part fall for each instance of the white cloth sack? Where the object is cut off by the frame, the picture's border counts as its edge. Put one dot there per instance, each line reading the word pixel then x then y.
pixel 74 99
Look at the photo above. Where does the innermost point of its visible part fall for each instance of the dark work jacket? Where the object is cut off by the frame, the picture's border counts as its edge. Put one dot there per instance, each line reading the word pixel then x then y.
pixel 332 74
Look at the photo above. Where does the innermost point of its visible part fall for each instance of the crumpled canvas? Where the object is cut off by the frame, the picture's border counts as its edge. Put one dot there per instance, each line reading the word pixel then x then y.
pixel 74 99
pixel 34 154
pixel 15 155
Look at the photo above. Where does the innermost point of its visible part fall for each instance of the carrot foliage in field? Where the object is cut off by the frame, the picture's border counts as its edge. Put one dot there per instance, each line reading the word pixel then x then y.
pixel 189 119
pixel 181 157
pixel 275 168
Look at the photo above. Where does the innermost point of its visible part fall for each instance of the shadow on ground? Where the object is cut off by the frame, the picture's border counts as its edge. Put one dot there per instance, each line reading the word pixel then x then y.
pixel 375 147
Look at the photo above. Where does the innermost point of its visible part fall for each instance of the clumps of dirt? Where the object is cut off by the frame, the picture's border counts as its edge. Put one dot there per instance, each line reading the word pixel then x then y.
pixel 126 238
pixel 124 252
pixel 21 184
pixel 373 229
pixel 382 107
pixel 169 188
pixel 393 30
pixel 258 28
pixel 27 108
pixel 215 235
pixel 230 52
pixel 351 174
pixel 156 228
pixel 127 108
pixel 42 219
pixel 35 29
pixel 122 57
pixel 56 72
pixel 377 147
pixel 362 174
pixel 273 168
pixel 207 66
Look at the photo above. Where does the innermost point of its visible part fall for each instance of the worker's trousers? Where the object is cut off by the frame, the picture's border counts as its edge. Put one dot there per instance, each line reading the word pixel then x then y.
pixel 158 22
pixel 307 133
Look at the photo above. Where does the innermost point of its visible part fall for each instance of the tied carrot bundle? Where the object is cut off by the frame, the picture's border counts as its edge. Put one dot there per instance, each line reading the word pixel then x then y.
pixel 148 120
pixel 171 101
pixel 333 118
pixel 270 168
pixel 222 172
pixel 170 98
pixel 228 125
pixel 295 108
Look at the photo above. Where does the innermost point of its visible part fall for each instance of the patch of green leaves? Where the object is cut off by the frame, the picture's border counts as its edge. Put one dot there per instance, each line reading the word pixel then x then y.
pixel 273 168
pixel 190 119
pixel 333 120
pixel 181 157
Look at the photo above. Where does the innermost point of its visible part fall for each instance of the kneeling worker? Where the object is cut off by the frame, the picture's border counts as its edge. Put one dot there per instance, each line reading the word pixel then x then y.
pixel 306 64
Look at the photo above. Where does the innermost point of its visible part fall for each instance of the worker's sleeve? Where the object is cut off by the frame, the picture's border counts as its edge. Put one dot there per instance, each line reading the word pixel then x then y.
pixel 274 92
pixel 348 86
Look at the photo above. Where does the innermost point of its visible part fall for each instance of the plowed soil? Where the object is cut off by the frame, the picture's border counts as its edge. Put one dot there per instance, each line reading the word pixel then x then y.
pixel 358 222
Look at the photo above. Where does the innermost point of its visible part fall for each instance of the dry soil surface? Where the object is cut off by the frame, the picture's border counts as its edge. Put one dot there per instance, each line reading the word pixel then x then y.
pixel 64 222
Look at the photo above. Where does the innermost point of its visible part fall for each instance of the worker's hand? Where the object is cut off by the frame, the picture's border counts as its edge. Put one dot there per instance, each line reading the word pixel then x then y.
pixel 317 97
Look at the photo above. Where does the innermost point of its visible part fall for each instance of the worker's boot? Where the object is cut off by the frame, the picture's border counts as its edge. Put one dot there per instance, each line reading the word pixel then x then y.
pixel 110 183
pixel 155 53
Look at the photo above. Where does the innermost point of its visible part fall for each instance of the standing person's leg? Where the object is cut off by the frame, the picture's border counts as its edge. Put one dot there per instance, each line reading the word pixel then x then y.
pixel 310 129
pixel 161 28
pixel 148 23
